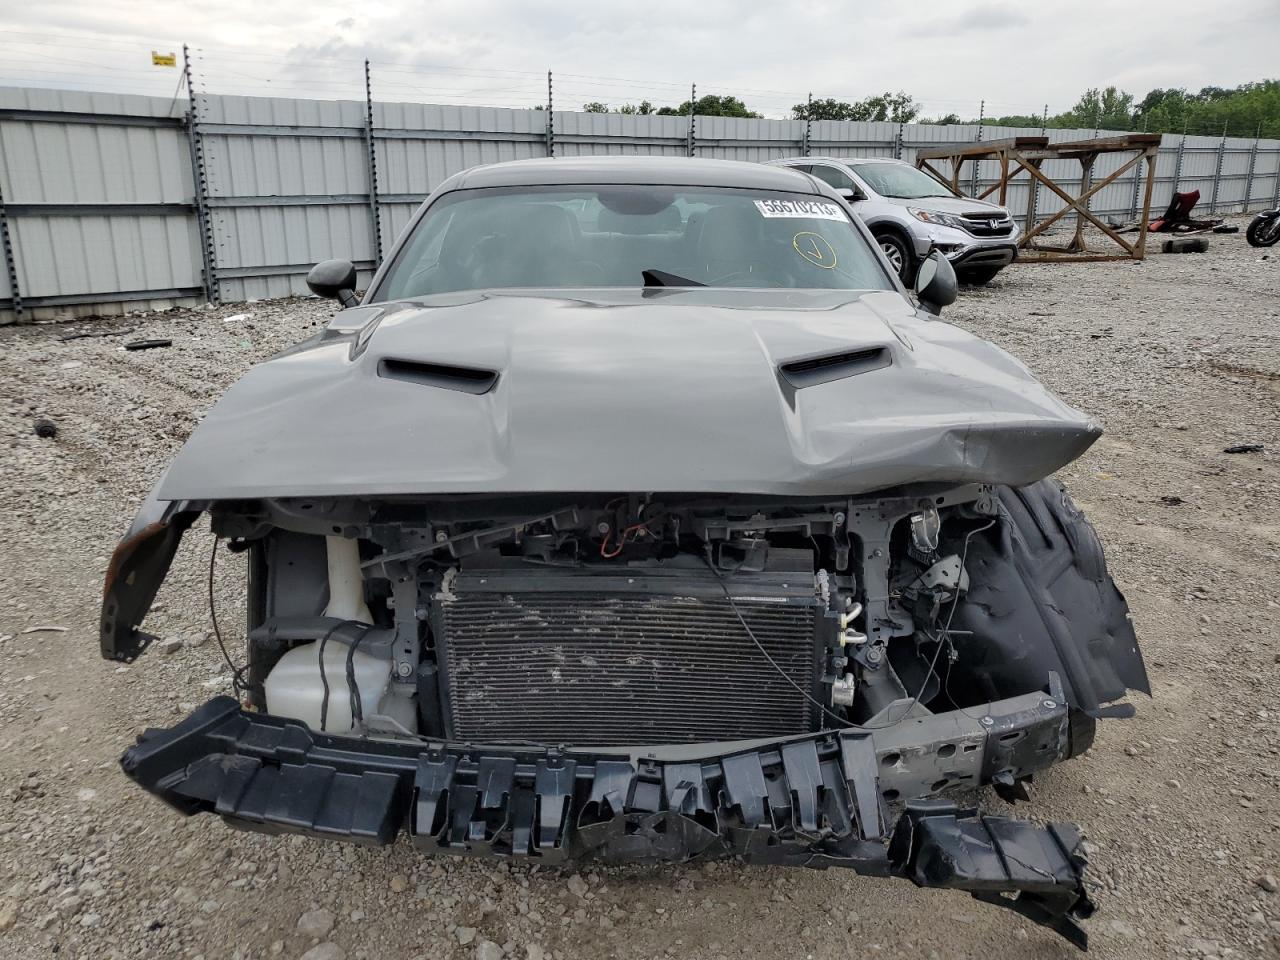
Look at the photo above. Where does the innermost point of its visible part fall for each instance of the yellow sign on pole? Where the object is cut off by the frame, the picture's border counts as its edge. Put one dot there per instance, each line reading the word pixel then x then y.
pixel 163 59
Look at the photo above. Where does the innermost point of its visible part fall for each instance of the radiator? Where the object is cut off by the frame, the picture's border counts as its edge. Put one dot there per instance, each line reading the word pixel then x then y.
pixel 651 656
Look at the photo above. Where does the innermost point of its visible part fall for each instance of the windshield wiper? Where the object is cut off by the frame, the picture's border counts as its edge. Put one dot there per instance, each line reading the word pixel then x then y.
pixel 660 278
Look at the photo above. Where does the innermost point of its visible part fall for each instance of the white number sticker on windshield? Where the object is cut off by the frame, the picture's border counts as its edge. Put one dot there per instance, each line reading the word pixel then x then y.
pixel 809 209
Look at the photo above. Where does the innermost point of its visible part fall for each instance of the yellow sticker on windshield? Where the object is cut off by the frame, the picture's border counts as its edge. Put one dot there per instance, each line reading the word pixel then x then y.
pixel 815 248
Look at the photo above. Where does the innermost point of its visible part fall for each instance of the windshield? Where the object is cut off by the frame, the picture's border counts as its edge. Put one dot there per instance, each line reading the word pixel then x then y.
pixel 899 181
pixel 630 236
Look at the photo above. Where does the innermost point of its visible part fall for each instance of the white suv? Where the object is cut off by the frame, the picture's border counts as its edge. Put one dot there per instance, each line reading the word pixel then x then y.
pixel 911 213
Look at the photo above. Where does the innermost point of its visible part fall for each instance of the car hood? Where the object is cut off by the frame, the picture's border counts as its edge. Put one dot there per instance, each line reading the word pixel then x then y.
pixel 949 204
pixel 629 390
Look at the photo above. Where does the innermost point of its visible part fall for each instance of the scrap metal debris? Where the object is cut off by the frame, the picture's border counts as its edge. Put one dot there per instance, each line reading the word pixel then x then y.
pixel 1243 448
pixel 147 344
pixel 1177 219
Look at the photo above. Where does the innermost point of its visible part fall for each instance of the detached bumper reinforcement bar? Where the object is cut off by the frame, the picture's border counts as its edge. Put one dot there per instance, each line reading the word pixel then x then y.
pixel 814 800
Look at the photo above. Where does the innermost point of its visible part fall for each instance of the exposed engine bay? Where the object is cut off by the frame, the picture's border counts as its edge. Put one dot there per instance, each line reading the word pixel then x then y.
pixel 628 620
pixel 636 678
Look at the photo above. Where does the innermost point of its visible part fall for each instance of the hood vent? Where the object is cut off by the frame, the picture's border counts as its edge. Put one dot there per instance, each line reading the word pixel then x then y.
pixel 812 371
pixel 442 375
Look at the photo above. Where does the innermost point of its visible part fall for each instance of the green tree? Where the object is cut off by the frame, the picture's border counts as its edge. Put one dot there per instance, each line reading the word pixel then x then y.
pixel 898 107
pixel 826 109
pixel 1013 120
pixel 1109 109
pixel 595 106
pixel 644 109
pixel 711 106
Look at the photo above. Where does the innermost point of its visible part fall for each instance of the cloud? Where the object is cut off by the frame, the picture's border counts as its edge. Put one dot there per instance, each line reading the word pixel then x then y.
pixel 984 17
pixel 497 52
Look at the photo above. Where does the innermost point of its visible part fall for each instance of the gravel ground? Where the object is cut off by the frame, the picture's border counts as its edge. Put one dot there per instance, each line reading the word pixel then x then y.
pixel 1178 357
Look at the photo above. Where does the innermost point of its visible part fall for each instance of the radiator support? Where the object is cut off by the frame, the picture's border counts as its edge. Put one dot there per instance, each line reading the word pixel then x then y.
pixel 639 654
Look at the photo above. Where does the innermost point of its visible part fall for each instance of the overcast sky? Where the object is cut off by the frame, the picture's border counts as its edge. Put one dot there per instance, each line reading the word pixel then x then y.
pixel 1016 56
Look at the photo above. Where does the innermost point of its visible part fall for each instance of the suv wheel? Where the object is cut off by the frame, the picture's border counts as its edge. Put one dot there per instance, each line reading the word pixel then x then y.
pixel 899 256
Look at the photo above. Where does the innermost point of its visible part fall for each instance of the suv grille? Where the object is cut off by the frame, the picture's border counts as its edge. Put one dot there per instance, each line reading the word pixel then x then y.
pixel 988 224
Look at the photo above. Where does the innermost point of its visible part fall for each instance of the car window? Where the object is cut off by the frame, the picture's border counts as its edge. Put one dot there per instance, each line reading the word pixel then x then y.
pixel 834 176
pixel 900 181
pixel 609 236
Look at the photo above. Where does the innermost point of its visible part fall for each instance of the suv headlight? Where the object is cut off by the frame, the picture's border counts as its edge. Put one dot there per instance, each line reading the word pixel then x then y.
pixel 936 218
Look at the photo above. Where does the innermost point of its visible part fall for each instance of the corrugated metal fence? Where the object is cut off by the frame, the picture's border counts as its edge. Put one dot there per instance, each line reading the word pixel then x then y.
pixel 112 202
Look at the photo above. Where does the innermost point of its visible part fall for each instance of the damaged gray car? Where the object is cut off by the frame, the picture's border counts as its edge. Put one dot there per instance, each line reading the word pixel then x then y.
pixel 637 513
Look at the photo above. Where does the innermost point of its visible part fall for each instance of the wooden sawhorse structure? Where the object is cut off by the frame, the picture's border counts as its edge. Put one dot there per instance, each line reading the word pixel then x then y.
pixel 1028 153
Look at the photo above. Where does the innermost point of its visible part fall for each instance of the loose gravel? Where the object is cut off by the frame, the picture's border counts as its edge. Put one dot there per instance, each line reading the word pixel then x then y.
pixel 1178 357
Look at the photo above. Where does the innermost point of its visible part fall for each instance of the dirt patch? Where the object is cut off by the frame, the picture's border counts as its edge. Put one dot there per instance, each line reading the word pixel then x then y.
pixel 1177 357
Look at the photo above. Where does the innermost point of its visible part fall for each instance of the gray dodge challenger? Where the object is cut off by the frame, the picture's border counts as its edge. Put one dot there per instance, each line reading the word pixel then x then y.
pixel 637 512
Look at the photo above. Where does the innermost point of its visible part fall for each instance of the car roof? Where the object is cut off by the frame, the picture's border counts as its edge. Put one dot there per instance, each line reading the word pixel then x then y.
pixel 665 171
pixel 862 160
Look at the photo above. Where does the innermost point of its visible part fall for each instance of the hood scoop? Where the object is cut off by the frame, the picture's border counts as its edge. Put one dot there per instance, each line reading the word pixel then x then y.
pixel 443 375
pixel 811 371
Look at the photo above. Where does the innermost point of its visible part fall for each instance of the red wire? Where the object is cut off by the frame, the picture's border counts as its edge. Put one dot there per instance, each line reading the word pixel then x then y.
pixel 622 541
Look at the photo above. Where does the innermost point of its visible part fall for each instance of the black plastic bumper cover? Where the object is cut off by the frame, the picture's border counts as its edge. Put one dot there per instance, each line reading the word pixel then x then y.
pixel 813 801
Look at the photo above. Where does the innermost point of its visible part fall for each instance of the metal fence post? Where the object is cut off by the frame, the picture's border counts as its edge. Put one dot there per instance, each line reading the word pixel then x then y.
pixel 1177 163
pixel 1217 170
pixel 1275 197
pixel 551 121
pixel 897 141
pixel 1248 180
pixel 10 265
pixel 693 121
pixel 973 177
pixel 808 120
pixel 375 218
pixel 199 174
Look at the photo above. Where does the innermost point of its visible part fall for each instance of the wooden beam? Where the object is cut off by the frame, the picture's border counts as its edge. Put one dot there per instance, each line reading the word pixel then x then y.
pixel 1033 257
pixel 1150 155
pixel 1086 179
pixel 1072 204
pixel 982 150
pixel 1076 203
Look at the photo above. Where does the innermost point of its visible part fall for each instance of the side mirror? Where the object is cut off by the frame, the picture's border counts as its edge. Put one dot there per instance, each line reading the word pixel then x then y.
pixel 852 196
pixel 936 285
pixel 334 280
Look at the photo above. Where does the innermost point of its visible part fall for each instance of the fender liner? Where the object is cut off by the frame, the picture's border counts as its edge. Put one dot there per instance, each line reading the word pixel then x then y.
pixel 1041 600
